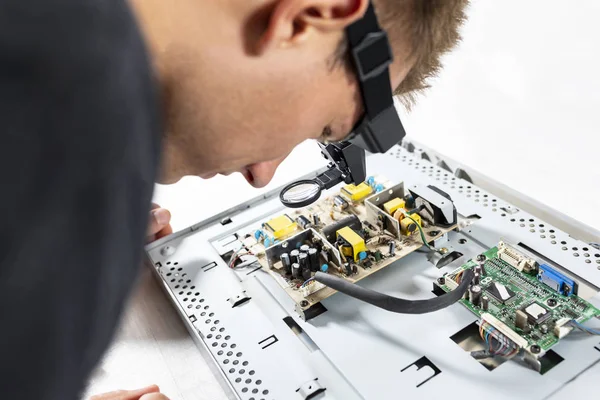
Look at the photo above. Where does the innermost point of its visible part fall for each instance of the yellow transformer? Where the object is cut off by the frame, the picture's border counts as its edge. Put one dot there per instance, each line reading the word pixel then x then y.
pixel 356 193
pixel 354 243
pixel 393 205
pixel 281 226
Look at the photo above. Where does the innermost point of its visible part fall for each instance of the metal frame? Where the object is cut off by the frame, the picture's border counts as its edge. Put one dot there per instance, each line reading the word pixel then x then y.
pixel 354 350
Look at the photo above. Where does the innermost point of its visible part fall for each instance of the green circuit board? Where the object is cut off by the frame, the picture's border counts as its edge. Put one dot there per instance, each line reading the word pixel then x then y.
pixel 526 290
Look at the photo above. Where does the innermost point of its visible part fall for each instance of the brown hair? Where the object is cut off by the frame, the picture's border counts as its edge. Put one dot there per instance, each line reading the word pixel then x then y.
pixel 421 31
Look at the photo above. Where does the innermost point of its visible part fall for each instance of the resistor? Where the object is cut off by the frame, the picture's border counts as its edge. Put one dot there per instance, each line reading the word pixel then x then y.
pixel 485 303
pixel 392 247
pixel 286 262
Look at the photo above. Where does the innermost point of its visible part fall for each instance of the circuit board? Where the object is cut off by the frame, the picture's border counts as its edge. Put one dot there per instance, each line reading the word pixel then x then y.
pixel 523 290
pixel 384 244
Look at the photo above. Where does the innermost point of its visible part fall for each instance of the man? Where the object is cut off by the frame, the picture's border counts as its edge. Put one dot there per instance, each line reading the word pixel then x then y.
pixel 89 88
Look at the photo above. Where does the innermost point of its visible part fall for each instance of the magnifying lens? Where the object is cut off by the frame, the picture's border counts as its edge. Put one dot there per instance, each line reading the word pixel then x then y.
pixel 300 194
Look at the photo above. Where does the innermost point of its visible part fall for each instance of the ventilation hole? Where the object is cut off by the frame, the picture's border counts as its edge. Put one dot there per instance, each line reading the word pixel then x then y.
pixel 218 336
pixel 232 370
pixel 203 314
pixel 227 337
pixel 238 354
pixel 212 329
pixel 238 380
pixel 245 389
pixel 248 380
pixel 553 242
pixel 188 281
pixel 206 307
pixel 543 236
pixel 563 242
pixel 522 225
pixel 179 269
pixel 265 392
pixel 576 254
pixel 551 230
pixel 180 293
pixel 207 321
pixel 233 346
pixel 564 248
pixel 186 299
pixel 532 230
pixel 575 249
pixel 542 231
pixel 597 255
pixel 190 305
pixel 224 345
pixel 531 225
pixel 175 263
pixel 236 362
pixel 215 344
pixel 245 363
pixel 226 361
pixel 584 249
pixel 597 261
pixel 258 382
pixel 251 372
pixel 522 220
pixel 222 330
pixel 493 199
pixel 169 274
pixel 588 261
pixel 198 307
pixel 230 353
pixel 254 390
pixel 209 336
pixel 220 352
pixel 462 241
pixel 552 237
pixel 531 220
pixel 586 254
pixel 176 286
pixel 211 314
pixel 242 371
pixel 197 294
pixel 172 269
pixel 502 215
pixel 168 262
pixel 193 287
pixel 217 322
pixel 189 293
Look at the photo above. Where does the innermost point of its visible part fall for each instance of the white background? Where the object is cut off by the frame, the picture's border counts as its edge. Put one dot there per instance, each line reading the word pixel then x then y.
pixel 519 101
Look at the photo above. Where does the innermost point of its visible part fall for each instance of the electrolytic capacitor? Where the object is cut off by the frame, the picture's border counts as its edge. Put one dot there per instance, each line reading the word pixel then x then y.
pixel 304 248
pixel 544 329
pixel 392 248
pixel 313 259
pixel 485 303
pixel 475 294
pixel 303 222
pixel 316 219
pixel 294 256
pixel 296 273
pixel 339 203
pixel 476 279
pixel 286 262
pixel 477 270
pixel 481 260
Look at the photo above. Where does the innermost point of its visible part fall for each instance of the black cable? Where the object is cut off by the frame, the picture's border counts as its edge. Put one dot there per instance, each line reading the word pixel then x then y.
pixel 395 304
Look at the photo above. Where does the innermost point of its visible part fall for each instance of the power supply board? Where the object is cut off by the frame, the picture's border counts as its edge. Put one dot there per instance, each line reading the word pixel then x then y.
pixel 518 306
pixel 350 234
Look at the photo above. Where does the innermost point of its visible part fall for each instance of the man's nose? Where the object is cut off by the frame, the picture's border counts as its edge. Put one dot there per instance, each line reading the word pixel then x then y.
pixel 260 174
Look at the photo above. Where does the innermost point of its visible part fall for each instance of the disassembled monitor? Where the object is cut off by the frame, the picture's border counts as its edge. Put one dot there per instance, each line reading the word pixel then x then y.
pixel 448 287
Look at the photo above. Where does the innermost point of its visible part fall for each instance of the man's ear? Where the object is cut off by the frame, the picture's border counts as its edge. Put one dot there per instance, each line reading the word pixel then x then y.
pixel 292 21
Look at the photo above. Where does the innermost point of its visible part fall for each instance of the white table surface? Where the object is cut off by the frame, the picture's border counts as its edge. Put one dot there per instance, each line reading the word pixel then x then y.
pixel 519 102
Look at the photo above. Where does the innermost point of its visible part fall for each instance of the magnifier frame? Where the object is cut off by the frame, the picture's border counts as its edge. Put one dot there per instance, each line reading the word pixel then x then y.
pixel 298 204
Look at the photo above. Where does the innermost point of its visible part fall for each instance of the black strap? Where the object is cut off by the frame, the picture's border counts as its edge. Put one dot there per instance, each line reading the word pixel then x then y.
pixel 371 54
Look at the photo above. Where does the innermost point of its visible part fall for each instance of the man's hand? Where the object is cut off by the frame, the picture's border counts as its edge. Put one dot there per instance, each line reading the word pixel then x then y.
pixel 159 224
pixel 147 393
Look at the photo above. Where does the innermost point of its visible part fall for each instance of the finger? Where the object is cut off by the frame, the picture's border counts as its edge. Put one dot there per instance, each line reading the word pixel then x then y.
pixel 126 394
pixel 159 219
pixel 154 205
pixel 167 230
pixel 154 396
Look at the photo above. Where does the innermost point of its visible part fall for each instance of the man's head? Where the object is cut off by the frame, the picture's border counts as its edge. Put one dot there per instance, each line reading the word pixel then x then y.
pixel 245 81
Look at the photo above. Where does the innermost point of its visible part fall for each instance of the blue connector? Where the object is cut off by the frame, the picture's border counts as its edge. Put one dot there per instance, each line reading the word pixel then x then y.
pixel 324 267
pixel 378 188
pixel 370 181
pixel 556 280
pixel 258 234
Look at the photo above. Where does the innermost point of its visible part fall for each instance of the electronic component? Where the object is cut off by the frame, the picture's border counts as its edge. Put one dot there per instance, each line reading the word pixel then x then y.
pixel 392 247
pixel 409 225
pixel 324 268
pixel 351 221
pixel 476 278
pixel 391 206
pixel 316 219
pixel 339 203
pixel 521 320
pixel 353 244
pixel 536 314
pixel 500 292
pixel 475 294
pixel 436 203
pixel 281 226
pixel 303 222
pixel 485 303
pixel 481 263
pixel 303 260
pixel 286 262
pixel 356 193
pixel 304 248
pixel 561 329
pixel 504 329
pixel 296 273
pixel 556 280
pixel 515 258
pixel 544 329
pixel 294 256
pixel 313 259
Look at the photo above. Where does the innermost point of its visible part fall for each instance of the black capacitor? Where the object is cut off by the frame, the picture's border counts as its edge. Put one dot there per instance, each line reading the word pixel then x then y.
pixel 296 273
pixel 304 248
pixel 392 248
pixel 303 260
pixel 475 294
pixel 481 260
pixel 294 256
pixel 485 303
pixel 306 274
pixel 313 259
pixel 286 262
pixel 303 222
pixel 476 277
pixel 316 219
pixel 477 270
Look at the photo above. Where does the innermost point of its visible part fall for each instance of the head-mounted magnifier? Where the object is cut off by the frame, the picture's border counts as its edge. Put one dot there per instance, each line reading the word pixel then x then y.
pixel 378 130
